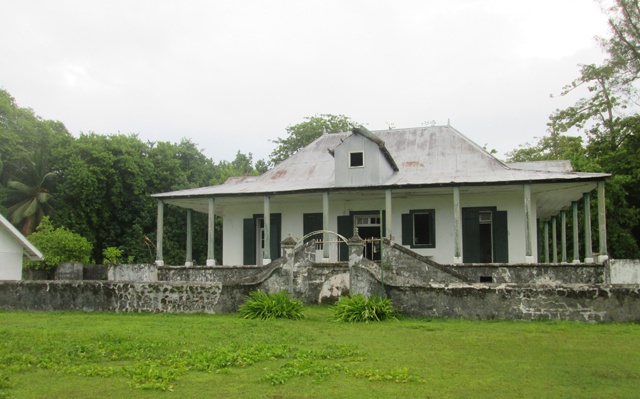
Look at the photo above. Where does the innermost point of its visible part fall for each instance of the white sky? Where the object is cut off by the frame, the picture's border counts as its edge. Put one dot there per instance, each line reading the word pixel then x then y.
pixel 231 75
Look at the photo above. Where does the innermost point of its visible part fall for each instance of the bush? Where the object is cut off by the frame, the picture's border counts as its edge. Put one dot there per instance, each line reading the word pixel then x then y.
pixel 58 246
pixel 357 308
pixel 260 305
pixel 111 256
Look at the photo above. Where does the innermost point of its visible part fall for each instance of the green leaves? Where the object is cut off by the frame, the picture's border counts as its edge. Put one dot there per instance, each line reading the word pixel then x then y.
pixel 303 133
pixel 58 246
pixel 358 309
pixel 260 305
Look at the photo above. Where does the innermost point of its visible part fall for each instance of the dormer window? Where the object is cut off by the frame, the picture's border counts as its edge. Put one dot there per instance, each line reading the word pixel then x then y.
pixel 356 159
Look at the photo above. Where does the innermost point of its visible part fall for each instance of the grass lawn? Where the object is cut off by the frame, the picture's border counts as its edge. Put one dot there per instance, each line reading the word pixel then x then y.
pixel 106 355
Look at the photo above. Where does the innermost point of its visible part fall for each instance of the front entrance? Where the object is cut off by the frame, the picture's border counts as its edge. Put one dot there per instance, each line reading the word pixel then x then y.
pixel 254 242
pixel 368 224
pixel 485 238
pixel 369 230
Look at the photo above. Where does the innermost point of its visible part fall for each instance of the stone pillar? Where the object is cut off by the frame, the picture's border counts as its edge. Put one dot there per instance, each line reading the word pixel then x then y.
pixel 159 233
pixel 528 225
pixel 356 249
pixel 189 258
pixel 588 251
pixel 211 259
pixel 266 252
pixel 389 215
pixel 545 226
pixel 457 223
pixel 563 238
pixel 288 245
pixel 325 226
pixel 576 240
pixel 554 240
pixel 602 224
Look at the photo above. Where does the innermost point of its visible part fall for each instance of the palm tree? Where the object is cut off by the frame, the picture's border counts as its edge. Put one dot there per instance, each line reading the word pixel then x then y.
pixel 30 197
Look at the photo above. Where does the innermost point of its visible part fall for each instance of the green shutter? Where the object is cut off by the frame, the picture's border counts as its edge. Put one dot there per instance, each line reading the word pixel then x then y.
pixel 311 222
pixel 470 236
pixel 407 229
pixel 249 241
pixel 345 229
pixel 500 237
pixel 276 223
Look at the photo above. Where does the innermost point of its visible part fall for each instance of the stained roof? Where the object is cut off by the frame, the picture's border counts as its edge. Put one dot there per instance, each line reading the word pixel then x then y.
pixel 29 250
pixel 425 156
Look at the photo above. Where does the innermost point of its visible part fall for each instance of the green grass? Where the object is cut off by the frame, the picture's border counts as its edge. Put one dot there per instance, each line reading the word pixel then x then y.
pixel 105 355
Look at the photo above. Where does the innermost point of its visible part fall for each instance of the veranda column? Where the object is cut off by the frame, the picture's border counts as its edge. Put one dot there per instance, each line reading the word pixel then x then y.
pixel 189 258
pixel 457 230
pixel 160 233
pixel 211 259
pixel 576 240
pixel 545 225
pixel 325 226
pixel 389 214
pixel 588 251
pixel 563 238
pixel 528 236
pixel 602 223
pixel 554 240
pixel 266 252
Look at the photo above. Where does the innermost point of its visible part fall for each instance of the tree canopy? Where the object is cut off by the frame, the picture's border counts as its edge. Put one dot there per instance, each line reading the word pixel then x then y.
pixel 608 117
pixel 302 134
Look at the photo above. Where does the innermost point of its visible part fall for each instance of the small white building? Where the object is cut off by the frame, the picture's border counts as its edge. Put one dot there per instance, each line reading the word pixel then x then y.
pixel 430 189
pixel 14 247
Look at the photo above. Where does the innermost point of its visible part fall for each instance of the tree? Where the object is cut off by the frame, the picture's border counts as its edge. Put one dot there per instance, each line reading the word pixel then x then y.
pixel 608 117
pixel 303 133
pixel 624 44
pixel 31 197
pixel 58 245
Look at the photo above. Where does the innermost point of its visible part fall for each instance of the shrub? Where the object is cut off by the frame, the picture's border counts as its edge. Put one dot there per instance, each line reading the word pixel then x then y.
pixel 58 246
pixel 111 256
pixel 260 305
pixel 357 308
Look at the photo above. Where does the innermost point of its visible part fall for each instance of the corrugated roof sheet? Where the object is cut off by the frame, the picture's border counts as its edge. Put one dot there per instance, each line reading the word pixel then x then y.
pixel 435 155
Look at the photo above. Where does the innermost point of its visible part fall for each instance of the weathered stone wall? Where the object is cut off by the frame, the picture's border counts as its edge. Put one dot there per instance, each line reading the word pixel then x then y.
pixel 141 273
pixel 476 301
pixel 121 296
pixel 415 269
pixel 624 271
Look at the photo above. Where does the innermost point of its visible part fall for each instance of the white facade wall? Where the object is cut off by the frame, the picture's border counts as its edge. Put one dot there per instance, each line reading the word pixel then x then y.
pixel 10 257
pixel 292 210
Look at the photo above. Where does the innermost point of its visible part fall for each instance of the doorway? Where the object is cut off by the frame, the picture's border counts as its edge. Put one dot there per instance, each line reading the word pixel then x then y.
pixel 369 230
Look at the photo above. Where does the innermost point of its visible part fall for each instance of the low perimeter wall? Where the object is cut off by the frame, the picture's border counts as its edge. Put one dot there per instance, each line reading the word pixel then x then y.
pixel 471 301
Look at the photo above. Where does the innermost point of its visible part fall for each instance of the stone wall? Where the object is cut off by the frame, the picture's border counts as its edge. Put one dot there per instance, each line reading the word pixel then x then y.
pixel 624 271
pixel 416 269
pixel 476 301
pixel 121 296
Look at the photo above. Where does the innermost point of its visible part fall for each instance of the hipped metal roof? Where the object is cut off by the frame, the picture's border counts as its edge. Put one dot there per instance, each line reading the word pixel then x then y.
pixel 424 156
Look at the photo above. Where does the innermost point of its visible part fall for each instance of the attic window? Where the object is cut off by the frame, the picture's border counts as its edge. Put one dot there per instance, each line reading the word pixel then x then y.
pixel 356 159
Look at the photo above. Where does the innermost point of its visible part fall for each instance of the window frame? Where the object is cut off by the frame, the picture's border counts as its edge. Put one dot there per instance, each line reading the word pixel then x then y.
pixel 351 153
pixel 411 241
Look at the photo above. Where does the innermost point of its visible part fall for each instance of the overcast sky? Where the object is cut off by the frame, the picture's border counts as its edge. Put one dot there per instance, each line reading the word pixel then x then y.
pixel 232 75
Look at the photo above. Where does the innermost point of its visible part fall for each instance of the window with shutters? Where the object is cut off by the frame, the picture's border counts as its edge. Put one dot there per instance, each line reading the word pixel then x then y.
pixel 419 228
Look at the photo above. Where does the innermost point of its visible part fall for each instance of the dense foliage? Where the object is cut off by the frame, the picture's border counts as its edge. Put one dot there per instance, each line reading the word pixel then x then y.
pixel 100 186
pixel 358 309
pixel 279 305
pixel 58 245
pixel 607 115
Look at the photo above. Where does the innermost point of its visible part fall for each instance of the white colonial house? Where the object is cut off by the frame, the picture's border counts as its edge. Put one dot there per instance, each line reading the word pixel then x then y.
pixel 14 247
pixel 430 189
